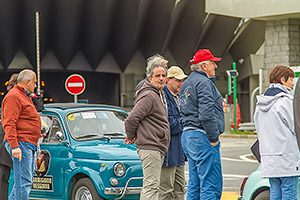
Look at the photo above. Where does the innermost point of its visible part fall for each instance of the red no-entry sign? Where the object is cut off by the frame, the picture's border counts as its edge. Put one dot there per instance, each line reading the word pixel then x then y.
pixel 75 84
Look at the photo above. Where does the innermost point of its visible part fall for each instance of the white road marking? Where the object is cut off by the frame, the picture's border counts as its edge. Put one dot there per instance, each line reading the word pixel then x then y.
pixel 186 173
pixel 234 176
pixel 243 158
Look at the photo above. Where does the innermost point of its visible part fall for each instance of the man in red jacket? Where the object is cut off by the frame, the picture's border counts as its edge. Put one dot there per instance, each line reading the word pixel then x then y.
pixel 22 127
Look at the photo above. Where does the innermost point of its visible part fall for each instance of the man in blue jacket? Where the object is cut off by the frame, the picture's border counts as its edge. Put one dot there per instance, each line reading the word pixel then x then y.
pixel 202 118
pixel 172 179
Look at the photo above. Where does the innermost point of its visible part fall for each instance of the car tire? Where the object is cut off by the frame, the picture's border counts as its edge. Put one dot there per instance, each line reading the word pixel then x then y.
pixel 264 195
pixel 85 189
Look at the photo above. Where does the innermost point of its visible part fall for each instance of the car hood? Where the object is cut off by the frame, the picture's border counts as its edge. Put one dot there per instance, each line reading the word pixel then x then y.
pixel 106 151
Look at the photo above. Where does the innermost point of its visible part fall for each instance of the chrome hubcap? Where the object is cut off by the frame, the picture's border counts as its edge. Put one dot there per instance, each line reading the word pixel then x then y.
pixel 83 193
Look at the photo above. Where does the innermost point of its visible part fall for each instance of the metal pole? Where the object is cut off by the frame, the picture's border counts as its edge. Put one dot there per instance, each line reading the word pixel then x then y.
pixel 234 97
pixel 75 98
pixel 229 85
pixel 37 36
pixel 252 102
pixel 260 81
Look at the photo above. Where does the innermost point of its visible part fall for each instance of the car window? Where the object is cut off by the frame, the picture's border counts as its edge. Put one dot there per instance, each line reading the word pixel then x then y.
pixel 53 128
pixel 96 123
pixel 46 122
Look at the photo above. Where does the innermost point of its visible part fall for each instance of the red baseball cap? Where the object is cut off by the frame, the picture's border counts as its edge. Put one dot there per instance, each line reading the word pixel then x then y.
pixel 203 55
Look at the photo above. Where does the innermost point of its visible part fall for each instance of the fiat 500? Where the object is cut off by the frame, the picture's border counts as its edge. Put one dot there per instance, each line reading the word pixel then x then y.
pixel 83 155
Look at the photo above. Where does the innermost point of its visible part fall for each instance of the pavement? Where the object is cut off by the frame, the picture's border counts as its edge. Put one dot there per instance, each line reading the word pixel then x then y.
pixel 230 135
pixel 234 195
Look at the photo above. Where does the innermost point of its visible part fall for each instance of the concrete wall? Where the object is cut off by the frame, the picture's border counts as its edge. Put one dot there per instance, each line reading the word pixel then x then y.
pixel 134 73
pixel 282 45
pixel 257 9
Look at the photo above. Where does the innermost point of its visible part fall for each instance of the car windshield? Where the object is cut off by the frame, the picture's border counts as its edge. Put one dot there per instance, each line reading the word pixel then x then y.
pixel 96 124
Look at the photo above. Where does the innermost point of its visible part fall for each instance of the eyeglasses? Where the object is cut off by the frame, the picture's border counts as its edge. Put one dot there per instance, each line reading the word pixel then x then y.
pixel 177 80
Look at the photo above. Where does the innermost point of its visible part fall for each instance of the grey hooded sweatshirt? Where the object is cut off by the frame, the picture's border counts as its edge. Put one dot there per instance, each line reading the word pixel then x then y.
pixel 148 120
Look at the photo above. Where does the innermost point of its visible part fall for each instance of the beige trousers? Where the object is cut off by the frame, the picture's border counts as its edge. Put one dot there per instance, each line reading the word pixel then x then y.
pixel 172 183
pixel 151 163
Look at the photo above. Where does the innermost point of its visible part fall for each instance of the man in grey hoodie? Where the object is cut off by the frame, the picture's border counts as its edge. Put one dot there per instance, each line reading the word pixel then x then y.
pixel 147 125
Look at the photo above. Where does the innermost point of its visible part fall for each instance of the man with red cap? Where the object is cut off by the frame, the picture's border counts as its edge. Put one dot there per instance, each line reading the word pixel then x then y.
pixel 202 118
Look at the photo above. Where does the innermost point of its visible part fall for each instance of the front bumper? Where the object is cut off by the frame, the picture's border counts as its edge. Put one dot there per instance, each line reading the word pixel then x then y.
pixel 124 190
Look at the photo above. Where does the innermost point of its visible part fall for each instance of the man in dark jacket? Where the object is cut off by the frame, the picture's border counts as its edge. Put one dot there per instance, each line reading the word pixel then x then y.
pixel 172 179
pixel 202 118
pixel 5 166
pixel 147 125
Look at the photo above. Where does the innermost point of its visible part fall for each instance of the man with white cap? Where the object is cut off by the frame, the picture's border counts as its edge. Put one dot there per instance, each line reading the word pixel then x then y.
pixel 202 118
pixel 172 179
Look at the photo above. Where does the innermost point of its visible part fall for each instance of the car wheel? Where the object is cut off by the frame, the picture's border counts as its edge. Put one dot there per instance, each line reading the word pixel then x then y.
pixel 84 189
pixel 264 195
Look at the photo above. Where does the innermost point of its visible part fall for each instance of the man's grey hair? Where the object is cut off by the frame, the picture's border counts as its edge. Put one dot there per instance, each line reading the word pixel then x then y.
pixel 155 61
pixel 197 66
pixel 26 74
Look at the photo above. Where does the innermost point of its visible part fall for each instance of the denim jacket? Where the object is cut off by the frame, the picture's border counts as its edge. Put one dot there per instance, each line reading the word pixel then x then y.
pixel 201 105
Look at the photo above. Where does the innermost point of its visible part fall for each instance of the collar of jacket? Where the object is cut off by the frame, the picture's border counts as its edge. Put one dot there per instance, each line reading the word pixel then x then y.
pixel 22 90
pixel 169 94
pixel 148 85
pixel 278 85
pixel 213 79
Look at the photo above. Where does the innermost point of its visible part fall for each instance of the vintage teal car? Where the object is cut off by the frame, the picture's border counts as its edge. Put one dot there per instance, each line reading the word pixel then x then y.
pixel 255 187
pixel 83 155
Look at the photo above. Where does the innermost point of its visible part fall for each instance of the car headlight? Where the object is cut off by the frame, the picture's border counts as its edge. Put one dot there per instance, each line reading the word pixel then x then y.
pixel 119 169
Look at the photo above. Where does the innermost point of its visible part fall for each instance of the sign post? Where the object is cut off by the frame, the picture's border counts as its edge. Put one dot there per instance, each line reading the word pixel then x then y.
pixel 38 63
pixel 75 85
pixel 234 97
pixel 232 93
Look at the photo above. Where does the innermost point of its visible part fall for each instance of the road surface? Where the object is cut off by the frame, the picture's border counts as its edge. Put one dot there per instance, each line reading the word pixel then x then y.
pixel 237 163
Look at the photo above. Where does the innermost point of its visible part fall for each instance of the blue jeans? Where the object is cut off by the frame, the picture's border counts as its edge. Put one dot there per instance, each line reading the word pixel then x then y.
pixel 205 172
pixel 284 188
pixel 23 173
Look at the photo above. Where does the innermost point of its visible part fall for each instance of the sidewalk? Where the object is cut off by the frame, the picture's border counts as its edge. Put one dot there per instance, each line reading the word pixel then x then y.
pixel 229 135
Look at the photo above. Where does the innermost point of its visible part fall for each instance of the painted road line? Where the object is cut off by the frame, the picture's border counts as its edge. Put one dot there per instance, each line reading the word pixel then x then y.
pixel 234 176
pixel 224 175
pixel 243 159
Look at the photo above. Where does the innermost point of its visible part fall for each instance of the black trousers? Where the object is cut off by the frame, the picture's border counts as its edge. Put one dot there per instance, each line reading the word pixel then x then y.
pixel 4 176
